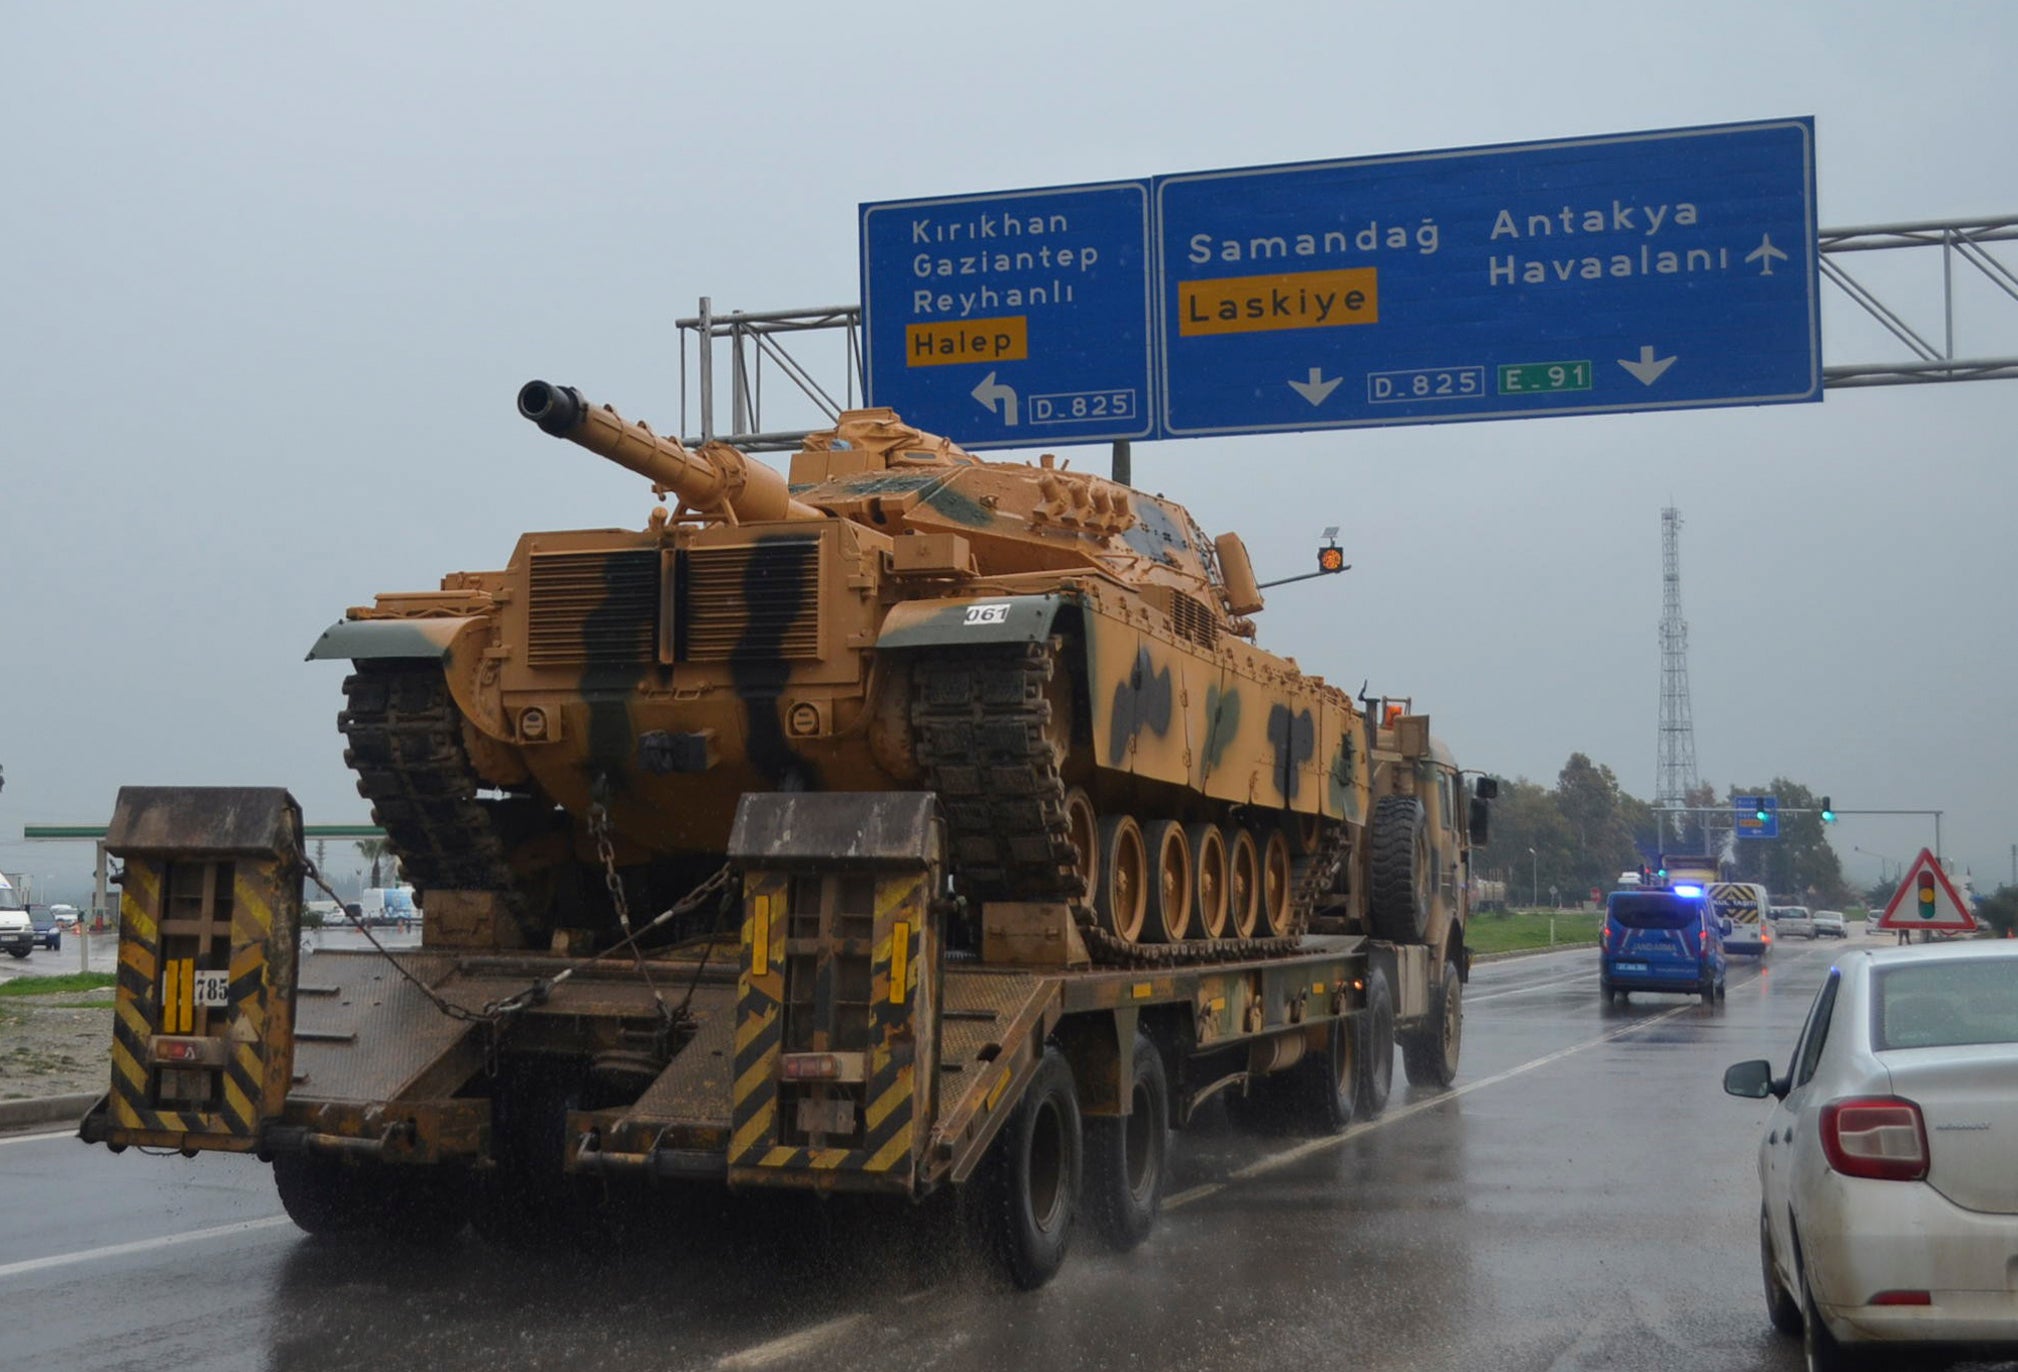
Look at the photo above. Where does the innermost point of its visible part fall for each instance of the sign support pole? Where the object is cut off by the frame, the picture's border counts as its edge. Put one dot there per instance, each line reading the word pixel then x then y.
pixel 1124 468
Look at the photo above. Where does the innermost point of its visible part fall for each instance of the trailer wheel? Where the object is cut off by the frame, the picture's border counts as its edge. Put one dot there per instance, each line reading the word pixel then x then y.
pixel 1029 1188
pixel 1429 1054
pixel 1398 886
pixel 1376 1047
pixel 1322 1087
pixel 320 1195
pixel 1126 1156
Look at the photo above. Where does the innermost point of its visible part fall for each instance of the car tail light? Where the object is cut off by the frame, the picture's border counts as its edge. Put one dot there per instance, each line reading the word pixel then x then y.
pixel 1902 1298
pixel 1605 937
pixel 1881 1137
pixel 1703 939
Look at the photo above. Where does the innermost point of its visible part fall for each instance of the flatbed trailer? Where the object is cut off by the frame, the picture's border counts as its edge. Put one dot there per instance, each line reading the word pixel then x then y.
pixel 845 1041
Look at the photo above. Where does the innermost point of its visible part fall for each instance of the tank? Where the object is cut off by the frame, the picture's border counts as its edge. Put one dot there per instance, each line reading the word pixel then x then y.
pixel 555 749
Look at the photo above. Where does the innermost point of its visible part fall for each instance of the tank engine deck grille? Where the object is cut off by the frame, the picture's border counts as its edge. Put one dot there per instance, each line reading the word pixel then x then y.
pixel 593 607
pixel 757 600
pixel 1192 620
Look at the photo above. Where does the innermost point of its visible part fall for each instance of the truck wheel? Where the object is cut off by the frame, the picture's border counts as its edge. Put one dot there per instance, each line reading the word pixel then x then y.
pixel 1429 1054
pixel 1125 1157
pixel 1030 1183
pixel 320 1195
pixel 1322 1087
pixel 1398 886
pixel 1376 1047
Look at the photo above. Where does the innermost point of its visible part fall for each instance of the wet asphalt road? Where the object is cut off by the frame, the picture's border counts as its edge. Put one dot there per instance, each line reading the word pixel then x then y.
pixel 1585 1198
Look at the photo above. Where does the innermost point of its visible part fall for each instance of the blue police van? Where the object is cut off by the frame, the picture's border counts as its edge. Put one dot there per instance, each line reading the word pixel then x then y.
pixel 1659 938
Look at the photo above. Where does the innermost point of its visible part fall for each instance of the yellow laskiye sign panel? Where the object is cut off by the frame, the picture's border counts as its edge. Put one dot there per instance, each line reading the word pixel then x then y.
pixel 1284 300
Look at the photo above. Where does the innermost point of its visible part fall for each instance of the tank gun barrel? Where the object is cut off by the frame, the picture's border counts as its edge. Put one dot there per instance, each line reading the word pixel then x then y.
pixel 718 479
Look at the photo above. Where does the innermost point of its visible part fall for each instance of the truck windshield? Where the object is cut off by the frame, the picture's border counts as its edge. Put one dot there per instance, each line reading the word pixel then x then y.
pixel 1654 910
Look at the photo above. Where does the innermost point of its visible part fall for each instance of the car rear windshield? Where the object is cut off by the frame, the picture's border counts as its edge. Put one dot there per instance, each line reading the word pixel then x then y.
pixel 1946 1004
pixel 1654 910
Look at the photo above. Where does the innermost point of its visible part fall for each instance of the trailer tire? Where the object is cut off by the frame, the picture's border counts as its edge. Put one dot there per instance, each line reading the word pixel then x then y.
pixel 1398 885
pixel 1029 1186
pixel 319 1194
pixel 1127 1157
pixel 1429 1055
pixel 1324 1086
pixel 1376 1047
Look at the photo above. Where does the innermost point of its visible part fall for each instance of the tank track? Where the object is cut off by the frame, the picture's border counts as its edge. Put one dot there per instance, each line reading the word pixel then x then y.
pixel 405 744
pixel 981 720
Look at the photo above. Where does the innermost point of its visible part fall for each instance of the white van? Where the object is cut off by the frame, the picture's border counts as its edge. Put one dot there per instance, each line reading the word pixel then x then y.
pixel 1745 905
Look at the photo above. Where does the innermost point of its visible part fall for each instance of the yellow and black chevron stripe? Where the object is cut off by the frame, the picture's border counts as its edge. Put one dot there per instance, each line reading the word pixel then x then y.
pixel 889 1105
pixel 155 995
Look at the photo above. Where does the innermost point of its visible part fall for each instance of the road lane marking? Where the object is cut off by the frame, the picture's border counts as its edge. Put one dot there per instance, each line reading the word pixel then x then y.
pixel 1585 975
pixel 120 1250
pixel 764 1354
pixel 37 1138
pixel 1276 1161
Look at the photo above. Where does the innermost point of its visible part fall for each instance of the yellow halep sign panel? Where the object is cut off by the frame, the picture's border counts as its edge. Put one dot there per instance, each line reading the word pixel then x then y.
pixel 1287 300
pixel 967 340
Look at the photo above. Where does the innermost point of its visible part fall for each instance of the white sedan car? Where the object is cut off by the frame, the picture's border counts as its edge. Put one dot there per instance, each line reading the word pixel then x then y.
pixel 1890 1164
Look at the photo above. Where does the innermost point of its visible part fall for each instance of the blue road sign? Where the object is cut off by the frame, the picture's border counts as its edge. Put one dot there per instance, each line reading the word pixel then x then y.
pixel 1018 319
pixel 1745 811
pixel 1628 272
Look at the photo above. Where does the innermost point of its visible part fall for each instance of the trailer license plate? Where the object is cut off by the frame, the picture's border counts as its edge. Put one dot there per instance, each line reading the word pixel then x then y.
pixel 1629 967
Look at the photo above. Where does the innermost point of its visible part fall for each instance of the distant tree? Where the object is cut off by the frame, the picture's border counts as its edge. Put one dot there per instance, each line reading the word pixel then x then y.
pixel 1526 817
pixel 378 852
pixel 1999 910
pixel 1592 805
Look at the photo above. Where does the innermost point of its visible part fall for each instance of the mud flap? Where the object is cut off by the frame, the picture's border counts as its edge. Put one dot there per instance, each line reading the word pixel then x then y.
pixel 209 927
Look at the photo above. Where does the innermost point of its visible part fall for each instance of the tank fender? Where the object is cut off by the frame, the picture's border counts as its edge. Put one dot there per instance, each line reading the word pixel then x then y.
pixel 359 639
pixel 956 623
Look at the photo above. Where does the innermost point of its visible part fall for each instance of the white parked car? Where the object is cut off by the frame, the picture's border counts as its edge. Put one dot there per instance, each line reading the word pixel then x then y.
pixel 1789 920
pixel 1890 1199
pixel 1831 924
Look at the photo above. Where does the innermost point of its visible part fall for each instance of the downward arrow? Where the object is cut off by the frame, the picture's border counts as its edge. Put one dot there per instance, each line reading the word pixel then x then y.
pixel 990 391
pixel 1648 369
pixel 1317 388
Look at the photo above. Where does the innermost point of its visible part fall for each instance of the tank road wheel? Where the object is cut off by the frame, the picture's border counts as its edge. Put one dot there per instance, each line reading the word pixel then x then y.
pixel 1082 828
pixel 1243 884
pixel 1429 1054
pixel 1028 1188
pixel 1122 898
pixel 1125 1156
pixel 1276 885
pixel 1376 1047
pixel 1399 885
pixel 1169 916
pixel 1208 878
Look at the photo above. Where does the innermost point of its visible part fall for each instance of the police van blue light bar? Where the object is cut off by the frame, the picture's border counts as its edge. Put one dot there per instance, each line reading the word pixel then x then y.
pixel 1685 889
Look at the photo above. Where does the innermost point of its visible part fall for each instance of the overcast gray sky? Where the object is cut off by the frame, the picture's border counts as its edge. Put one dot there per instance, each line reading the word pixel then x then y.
pixel 272 278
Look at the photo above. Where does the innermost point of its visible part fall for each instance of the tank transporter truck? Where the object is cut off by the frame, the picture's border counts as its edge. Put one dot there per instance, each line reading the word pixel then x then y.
pixel 911 825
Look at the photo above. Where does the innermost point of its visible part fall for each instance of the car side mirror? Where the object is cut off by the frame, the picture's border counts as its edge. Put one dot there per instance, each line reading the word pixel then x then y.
pixel 1753 1080
pixel 1481 822
pixel 1486 788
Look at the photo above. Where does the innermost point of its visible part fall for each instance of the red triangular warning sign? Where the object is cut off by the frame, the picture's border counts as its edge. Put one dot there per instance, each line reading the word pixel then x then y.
pixel 1926 899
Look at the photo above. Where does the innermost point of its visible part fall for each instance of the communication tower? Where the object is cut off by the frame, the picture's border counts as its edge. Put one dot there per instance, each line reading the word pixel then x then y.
pixel 1675 772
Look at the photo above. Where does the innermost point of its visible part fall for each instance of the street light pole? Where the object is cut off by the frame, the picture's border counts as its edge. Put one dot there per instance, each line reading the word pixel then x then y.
pixel 1534 879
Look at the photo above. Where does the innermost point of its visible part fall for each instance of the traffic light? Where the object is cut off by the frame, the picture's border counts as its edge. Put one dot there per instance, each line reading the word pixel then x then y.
pixel 1828 811
pixel 1926 884
pixel 1331 558
pixel 1763 814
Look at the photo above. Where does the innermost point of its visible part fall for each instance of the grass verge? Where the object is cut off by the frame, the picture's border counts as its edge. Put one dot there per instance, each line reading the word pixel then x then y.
pixel 1508 931
pixel 50 986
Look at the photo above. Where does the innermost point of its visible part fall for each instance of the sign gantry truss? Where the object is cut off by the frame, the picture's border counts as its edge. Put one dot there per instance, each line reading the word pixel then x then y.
pixel 754 341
